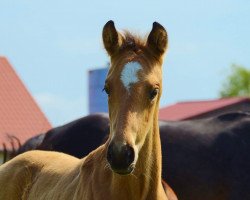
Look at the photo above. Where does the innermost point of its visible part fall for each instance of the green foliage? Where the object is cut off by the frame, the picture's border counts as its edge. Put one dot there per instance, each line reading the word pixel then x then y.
pixel 237 83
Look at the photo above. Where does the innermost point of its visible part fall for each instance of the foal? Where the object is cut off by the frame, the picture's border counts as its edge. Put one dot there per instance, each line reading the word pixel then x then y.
pixel 128 165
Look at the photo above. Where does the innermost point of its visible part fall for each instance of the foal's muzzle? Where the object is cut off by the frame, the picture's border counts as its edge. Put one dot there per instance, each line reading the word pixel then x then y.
pixel 120 158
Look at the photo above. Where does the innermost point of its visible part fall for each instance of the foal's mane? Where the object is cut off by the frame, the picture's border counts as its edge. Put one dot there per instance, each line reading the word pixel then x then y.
pixel 133 41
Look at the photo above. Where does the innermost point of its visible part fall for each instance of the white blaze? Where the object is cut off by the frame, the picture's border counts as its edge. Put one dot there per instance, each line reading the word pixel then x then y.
pixel 129 74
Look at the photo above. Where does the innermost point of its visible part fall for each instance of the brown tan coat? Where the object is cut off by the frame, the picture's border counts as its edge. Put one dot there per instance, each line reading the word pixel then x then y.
pixel 40 175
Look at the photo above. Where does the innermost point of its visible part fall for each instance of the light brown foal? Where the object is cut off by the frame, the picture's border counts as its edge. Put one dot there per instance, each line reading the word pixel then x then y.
pixel 128 165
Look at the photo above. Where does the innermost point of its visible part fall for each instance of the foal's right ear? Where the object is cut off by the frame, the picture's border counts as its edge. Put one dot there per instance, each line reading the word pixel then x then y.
pixel 112 40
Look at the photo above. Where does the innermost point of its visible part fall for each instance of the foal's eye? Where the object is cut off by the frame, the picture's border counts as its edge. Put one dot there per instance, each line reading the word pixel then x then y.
pixel 106 89
pixel 153 93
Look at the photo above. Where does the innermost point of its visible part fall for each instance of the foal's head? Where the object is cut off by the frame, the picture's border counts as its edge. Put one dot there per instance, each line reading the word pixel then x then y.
pixel 133 85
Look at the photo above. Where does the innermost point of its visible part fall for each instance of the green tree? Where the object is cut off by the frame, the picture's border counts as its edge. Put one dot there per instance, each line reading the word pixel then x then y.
pixel 237 83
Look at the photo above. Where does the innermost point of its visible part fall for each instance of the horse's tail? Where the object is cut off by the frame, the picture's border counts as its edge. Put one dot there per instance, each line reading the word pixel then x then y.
pixel 17 140
pixel 15 145
pixel 5 152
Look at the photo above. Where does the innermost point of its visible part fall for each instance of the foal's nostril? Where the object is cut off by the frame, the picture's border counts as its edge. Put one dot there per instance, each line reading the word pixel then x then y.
pixel 120 157
pixel 130 155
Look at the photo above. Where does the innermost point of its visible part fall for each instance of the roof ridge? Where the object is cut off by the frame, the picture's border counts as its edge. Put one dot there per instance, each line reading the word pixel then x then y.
pixel 213 100
pixel 186 110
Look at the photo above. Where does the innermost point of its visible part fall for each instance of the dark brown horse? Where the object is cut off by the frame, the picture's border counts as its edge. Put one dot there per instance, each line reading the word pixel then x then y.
pixel 91 131
pixel 205 159
pixel 208 159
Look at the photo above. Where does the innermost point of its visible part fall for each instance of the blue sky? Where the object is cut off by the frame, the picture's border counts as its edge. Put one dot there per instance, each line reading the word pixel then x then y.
pixel 52 44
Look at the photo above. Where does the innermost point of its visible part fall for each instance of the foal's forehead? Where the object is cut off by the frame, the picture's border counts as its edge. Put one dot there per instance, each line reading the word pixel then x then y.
pixel 132 72
pixel 129 74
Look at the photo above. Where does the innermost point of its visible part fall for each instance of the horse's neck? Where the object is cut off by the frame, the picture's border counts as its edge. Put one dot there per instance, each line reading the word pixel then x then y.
pixel 150 159
pixel 150 155
pixel 145 181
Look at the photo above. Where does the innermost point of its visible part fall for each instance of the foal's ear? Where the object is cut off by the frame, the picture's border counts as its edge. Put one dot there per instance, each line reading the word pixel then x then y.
pixel 112 40
pixel 158 39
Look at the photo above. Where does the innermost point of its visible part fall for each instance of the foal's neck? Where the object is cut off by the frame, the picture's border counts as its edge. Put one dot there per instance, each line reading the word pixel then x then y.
pixel 145 181
pixel 150 160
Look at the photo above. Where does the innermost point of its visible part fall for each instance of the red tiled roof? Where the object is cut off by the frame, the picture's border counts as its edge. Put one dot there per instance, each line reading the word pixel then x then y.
pixel 186 110
pixel 20 116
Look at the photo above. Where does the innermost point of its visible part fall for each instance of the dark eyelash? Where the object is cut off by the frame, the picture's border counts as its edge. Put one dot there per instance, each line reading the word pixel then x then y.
pixel 153 93
pixel 106 89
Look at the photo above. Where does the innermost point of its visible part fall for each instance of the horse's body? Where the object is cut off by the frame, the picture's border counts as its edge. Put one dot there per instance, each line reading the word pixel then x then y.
pixel 208 158
pixel 33 143
pixel 93 129
pixel 39 174
pixel 202 159
pixel 128 165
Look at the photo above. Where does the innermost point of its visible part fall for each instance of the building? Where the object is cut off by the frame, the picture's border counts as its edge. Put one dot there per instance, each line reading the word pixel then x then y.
pixel 202 109
pixel 98 101
pixel 20 116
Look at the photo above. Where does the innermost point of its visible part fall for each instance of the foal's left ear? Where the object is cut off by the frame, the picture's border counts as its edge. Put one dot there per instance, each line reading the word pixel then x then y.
pixel 112 39
pixel 158 39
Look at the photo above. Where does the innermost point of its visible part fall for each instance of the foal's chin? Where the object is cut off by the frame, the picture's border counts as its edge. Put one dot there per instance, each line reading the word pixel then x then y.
pixel 124 172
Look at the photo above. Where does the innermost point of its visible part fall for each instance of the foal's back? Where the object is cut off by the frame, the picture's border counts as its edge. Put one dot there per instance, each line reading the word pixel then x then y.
pixel 41 170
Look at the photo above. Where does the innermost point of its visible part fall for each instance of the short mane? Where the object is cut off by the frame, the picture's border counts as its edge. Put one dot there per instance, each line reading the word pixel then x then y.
pixel 133 41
